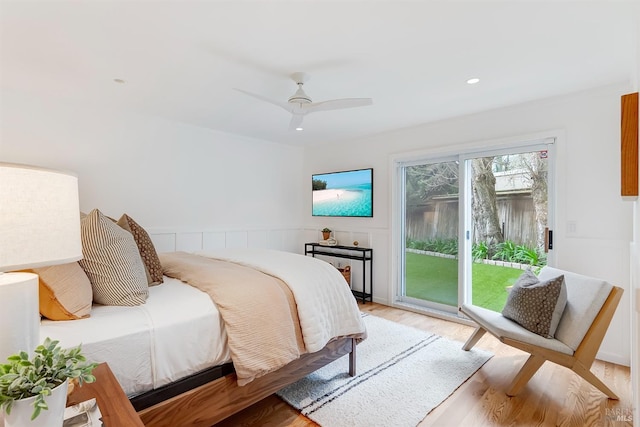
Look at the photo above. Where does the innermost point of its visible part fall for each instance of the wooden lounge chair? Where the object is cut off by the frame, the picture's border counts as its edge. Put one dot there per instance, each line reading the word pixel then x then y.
pixel 591 304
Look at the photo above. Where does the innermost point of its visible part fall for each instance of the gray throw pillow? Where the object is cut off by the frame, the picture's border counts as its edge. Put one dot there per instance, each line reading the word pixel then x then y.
pixel 535 305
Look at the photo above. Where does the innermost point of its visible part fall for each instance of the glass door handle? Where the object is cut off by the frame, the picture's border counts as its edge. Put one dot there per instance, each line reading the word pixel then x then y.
pixel 548 239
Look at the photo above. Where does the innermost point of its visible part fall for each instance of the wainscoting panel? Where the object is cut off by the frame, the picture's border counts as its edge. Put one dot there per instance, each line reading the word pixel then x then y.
pixel 237 239
pixel 164 242
pixel 213 240
pixel 287 240
pixel 258 239
pixel 282 239
pixel 188 242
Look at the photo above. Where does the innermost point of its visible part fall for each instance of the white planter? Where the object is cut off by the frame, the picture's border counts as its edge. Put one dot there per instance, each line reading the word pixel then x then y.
pixel 22 409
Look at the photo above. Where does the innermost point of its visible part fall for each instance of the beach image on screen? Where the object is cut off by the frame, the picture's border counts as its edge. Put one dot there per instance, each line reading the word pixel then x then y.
pixel 343 193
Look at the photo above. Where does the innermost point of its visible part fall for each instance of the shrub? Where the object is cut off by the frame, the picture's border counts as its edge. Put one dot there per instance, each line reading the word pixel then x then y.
pixel 439 245
pixel 505 251
pixel 532 256
pixel 480 251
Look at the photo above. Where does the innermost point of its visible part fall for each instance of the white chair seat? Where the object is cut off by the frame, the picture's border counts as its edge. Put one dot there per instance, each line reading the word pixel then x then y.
pixel 501 327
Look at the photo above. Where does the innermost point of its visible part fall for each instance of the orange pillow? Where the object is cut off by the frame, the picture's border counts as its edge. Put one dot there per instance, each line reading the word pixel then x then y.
pixel 65 292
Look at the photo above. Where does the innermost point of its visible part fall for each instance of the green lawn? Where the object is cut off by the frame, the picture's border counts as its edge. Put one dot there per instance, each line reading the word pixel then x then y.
pixel 436 279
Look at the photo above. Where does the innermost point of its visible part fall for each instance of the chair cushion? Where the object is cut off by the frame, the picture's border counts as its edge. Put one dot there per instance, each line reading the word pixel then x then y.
pixel 585 296
pixel 501 327
pixel 536 305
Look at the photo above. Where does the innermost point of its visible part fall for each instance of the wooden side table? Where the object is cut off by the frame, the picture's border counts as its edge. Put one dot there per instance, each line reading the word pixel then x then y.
pixel 114 405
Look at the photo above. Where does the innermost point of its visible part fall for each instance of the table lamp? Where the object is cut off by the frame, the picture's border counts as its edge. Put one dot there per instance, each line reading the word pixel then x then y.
pixel 39 226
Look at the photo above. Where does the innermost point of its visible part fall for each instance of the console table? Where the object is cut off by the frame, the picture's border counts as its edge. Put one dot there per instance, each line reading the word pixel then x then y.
pixel 349 252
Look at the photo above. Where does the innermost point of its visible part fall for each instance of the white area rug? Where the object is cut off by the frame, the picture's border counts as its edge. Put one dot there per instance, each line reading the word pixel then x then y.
pixel 403 374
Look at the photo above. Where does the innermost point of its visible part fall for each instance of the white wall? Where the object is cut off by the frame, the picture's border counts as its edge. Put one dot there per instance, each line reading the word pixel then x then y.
pixel 587 173
pixel 166 175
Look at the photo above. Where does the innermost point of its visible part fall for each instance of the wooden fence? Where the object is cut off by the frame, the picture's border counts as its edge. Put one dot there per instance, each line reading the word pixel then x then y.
pixel 439 219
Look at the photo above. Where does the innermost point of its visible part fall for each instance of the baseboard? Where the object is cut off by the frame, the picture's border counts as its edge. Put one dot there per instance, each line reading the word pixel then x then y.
pixel 382 301
pixel 613 358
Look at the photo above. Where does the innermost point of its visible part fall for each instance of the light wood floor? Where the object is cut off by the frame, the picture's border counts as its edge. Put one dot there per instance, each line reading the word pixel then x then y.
pixel 555 396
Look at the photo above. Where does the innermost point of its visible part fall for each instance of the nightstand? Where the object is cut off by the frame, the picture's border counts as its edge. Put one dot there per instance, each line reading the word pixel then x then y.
pixel 114 405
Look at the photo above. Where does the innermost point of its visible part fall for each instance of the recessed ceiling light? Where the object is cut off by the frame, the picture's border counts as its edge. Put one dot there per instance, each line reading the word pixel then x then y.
pixel 119 81
pixel 299 129
pixel 473 81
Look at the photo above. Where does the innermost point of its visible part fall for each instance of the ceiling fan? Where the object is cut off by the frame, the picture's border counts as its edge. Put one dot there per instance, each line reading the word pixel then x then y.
pixel 300 104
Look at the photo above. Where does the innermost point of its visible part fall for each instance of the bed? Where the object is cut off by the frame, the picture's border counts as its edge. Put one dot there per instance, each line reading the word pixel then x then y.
pixel 177 355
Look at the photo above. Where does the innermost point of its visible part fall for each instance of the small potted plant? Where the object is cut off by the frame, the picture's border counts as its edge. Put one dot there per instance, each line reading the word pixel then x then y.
pixel 326 233
pixel 28 386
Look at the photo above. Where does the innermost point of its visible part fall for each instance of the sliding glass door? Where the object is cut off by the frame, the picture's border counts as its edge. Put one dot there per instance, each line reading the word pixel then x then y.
pixel 431 234
pixel 471 223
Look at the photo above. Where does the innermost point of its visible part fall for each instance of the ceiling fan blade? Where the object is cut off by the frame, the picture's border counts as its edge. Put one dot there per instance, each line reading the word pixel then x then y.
pixel 284 105
pixel 300 104
pixel 296 121
pixel 337 104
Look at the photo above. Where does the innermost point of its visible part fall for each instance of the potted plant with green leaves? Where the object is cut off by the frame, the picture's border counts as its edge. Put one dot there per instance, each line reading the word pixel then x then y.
pixel 326 233
pixel 33 392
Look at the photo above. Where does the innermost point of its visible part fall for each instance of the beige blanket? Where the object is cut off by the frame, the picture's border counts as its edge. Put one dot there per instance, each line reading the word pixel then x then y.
pixel 258 310
pixel 326 307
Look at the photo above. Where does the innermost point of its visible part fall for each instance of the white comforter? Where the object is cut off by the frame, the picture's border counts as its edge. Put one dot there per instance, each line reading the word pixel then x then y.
pixel 326 307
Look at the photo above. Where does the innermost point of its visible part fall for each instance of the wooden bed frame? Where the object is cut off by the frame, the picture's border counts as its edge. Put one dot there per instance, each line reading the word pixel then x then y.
pixel 220 398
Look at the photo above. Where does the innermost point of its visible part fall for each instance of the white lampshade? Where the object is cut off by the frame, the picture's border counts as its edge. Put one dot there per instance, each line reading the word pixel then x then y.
pixel 39 217
pixel 39 226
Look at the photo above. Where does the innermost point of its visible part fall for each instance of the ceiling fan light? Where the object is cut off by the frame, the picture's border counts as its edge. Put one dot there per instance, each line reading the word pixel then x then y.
pixel 473 81
pixel 300 96
pixel 299 128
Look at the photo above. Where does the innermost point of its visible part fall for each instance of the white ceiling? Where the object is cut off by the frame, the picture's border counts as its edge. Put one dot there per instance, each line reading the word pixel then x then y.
pixel 181 59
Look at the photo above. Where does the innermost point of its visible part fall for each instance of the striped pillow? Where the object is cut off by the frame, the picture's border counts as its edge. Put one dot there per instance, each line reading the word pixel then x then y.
pixel 112 262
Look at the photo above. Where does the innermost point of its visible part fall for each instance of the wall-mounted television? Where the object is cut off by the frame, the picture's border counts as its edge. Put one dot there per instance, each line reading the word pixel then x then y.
pixel 345 193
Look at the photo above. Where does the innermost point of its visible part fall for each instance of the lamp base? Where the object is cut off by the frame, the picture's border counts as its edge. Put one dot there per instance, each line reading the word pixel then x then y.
pixel 20 314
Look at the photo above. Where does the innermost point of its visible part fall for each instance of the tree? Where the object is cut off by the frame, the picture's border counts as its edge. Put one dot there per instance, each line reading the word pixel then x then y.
pixel 318 184
pixel 484 205
pixel 434 179
pixel 535 165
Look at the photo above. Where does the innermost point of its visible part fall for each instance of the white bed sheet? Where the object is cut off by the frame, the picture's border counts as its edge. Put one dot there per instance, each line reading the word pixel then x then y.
pixel 177 332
